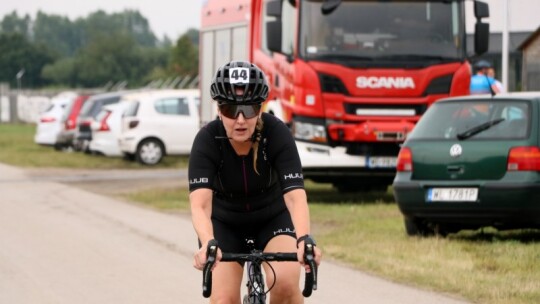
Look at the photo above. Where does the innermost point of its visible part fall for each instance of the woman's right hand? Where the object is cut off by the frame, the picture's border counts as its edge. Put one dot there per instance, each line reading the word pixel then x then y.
pixel 200 257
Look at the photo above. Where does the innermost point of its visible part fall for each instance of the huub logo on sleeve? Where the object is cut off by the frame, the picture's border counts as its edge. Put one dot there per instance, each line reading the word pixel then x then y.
pixel 239 75
pixel 200 180
pixel 293 176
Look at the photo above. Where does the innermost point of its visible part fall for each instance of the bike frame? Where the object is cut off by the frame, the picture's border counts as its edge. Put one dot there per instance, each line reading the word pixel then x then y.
pixel 254 278
pixel 255 283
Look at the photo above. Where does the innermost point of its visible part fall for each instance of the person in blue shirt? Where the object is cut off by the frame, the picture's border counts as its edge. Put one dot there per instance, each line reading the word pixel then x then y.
pixel 481 83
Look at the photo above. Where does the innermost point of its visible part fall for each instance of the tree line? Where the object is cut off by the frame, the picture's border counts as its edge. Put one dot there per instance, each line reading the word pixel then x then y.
pixel 89 52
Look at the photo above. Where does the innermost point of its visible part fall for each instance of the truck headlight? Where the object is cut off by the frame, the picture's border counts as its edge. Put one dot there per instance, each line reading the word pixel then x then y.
pixel 310 132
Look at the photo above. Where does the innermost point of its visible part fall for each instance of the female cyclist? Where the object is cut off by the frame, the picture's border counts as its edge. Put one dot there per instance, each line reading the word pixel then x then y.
pixel 245 180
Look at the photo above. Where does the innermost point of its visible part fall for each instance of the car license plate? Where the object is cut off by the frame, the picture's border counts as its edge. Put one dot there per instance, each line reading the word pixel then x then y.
pixel 452 195
pixel 381 162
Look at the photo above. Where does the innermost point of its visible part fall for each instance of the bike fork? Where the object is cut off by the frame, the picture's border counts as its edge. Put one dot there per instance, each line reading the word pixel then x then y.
pixel 255 285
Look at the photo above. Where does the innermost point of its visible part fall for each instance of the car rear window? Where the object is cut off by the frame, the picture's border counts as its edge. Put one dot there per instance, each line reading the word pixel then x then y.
pixel 68 110
pixel 102 114
pixel 471 120
pixel 132 109
pixel 172 106
pixel 103 102
pixel 49 107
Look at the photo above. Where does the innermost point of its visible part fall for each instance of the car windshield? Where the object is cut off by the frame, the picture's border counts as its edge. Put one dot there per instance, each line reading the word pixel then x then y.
pixel 470 120
pixel 383 32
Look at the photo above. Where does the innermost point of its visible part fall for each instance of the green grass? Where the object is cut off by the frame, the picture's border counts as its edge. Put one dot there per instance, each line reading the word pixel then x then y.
pixel 362 230
pixel 18 149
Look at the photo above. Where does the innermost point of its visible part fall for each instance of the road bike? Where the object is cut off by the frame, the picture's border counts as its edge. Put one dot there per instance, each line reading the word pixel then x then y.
pixel 256 293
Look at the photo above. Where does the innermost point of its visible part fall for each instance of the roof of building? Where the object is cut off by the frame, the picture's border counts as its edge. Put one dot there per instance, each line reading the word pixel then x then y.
pixel 516 39
pixel 530 39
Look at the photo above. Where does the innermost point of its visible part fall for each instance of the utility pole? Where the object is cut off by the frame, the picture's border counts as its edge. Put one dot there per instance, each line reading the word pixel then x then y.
pixel 19 76
pixel 505 44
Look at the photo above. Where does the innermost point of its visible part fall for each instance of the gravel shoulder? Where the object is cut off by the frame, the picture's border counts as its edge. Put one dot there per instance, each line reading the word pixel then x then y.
pixel 113 181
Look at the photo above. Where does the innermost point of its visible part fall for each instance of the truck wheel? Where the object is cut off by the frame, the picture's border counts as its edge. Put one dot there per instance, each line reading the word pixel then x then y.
pixel 150 152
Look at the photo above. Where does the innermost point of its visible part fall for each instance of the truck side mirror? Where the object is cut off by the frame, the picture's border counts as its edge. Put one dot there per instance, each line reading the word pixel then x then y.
pixel 481 29
pixel 481 10
pixel 481 38
pixel 273 9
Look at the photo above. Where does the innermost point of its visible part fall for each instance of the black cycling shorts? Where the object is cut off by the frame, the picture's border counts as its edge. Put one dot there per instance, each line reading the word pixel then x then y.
pixel 232 239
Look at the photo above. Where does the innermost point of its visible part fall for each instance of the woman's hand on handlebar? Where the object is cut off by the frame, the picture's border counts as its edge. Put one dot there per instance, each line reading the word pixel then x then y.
pixel 317 253
pixel 201 256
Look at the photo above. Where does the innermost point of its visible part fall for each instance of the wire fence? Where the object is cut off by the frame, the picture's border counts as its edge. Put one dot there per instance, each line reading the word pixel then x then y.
pixel 25 105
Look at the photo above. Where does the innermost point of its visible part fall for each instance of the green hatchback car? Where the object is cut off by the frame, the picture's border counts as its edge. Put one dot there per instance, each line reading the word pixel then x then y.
pixel 472 162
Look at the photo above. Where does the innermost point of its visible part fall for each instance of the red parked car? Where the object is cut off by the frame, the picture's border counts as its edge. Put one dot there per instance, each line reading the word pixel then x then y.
pixel 67 134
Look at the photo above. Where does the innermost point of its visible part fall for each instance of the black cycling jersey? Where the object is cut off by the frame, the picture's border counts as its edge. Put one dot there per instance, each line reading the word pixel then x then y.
pixel 237 188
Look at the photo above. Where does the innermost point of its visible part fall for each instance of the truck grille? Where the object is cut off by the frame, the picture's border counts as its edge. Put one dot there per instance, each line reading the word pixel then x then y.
pixel 405 110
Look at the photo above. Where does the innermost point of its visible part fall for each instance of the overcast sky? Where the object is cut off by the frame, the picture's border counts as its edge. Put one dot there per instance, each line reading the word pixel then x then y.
pixel 174 17
pixel 170 17
pixel 522 15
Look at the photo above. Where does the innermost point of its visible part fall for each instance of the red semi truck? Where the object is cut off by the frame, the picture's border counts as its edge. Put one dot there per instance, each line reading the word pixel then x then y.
pixel 351 78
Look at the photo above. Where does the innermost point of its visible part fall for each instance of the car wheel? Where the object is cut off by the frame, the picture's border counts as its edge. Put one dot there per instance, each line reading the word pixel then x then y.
pixel 416 227
pixel 150 152
pixel 77 146
pixel 86 147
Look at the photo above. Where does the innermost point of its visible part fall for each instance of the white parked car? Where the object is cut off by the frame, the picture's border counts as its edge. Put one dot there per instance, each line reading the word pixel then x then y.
pixel 106 129
pixel 50 121
pixel 158 123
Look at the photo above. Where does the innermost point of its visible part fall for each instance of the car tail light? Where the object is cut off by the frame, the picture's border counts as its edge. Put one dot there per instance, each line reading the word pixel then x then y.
pixel 133 124
pixel 404 160
pixel 69 124
pixel 103 124
pixel 524 159
pixel 47 119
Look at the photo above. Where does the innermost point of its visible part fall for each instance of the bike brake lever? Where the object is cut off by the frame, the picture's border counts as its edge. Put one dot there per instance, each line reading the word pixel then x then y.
pixel 310 257
pixel 211 254
pixel 311 278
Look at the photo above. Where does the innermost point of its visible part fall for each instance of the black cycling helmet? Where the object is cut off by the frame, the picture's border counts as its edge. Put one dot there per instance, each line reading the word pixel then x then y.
pixel 482 64
pixel 239 82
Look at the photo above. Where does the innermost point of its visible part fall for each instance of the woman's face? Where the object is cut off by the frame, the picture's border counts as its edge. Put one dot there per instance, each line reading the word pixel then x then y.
pixel 239 129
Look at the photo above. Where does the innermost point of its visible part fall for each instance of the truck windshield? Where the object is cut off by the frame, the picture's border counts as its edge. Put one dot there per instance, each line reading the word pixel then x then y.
pixel 383 31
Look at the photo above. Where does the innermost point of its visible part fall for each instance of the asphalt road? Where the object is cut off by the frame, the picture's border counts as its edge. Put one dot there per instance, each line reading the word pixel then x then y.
pixel 60 243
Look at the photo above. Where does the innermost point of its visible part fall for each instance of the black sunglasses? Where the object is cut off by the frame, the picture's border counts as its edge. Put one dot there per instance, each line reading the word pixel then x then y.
pixel 233 110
